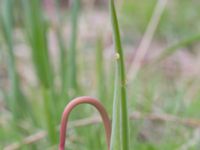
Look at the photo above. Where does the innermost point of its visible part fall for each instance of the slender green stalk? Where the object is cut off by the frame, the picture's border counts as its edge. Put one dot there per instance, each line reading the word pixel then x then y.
pixel 122 78
pixel 17 100
pixel 63 64
pixel 36 29
pixel 72 76
pixel 115 143
pixel 47 95
pixel 63 53
pixel 36 32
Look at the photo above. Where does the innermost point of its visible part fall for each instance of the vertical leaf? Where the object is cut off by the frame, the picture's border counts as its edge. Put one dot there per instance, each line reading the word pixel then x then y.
pixel 122 81
pixel 36 32
pixel 63 68
pixel 17 99
pixel 115 137
pixel 72 76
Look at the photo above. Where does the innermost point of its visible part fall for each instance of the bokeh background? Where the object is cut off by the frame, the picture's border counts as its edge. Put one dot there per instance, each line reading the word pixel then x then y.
pixel 52 51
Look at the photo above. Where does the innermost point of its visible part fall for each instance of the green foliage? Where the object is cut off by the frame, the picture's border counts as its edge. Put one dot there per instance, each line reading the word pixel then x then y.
pixel 72 59
pixel 16 99
pixel 158 89
pixel 36 33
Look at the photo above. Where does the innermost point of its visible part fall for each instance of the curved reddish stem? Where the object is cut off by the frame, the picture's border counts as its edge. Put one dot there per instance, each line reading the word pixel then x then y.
pixel 70 107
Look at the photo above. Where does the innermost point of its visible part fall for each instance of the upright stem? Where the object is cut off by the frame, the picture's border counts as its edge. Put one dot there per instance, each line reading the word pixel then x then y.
pixel 17 99
pixel 122 75
pixel 36 32
pixel 73 42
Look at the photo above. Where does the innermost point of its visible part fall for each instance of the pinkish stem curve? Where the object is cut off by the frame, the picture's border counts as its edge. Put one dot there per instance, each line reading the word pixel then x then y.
pixel 83 100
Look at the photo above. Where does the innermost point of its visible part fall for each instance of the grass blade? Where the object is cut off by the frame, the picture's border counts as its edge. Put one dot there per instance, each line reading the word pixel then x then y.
pixel 115 137
pixel 36 29
pixel 17 99
pixel 63 68
pixel 122 79
pixel 36 32
pixel 72 60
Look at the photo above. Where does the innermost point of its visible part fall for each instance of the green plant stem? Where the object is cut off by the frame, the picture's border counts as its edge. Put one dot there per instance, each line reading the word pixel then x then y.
pixel 121 71
pixel 51 126
pixel 17 99
pixel 63 64
pixel 63 58
pixel 36 32
pixel 115 143
pixel 73 46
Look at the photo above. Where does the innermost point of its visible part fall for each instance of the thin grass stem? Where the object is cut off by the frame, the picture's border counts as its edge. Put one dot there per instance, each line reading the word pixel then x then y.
pixel 72 59
pixel 122 79
pixel 36 33
pixel 17 99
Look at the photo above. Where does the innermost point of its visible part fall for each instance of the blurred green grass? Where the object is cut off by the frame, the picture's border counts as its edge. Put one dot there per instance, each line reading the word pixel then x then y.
pixel 156 89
